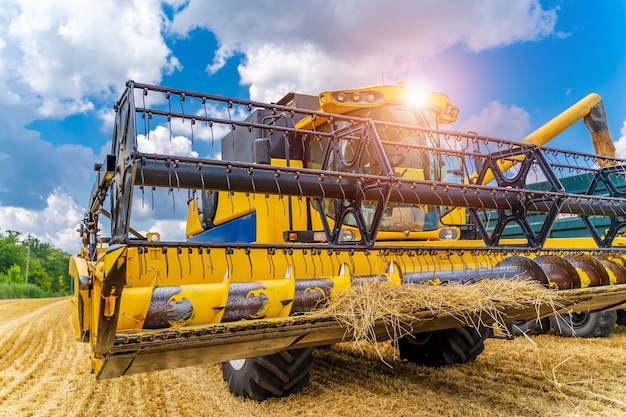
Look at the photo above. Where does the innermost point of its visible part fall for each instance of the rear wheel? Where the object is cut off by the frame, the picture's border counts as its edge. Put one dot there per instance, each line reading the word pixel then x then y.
pixel 621 318
pixel 263 377
pixel 586 324
pixel 443 347
pixel 530 327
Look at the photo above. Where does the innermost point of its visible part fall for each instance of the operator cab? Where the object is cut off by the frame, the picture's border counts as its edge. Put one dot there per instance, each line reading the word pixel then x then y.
pixel 395 109
pixel 403 121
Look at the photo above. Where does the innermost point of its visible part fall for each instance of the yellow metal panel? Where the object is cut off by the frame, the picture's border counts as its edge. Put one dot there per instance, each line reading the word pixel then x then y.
pixel 391 95
pixel 231 206
pixel 208 301
pixel 96 299
pixel 454 217
pixel 133 308
pixel 193 219
pixel 81 311
pixel 279 294
pixel 78 267
pixel 341 282
pixel 273 212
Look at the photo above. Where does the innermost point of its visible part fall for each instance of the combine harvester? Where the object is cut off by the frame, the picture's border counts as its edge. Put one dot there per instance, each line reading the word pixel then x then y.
pixel 313 197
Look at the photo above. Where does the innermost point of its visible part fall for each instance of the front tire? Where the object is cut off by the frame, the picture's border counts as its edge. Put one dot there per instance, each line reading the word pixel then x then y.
pixel 443 347
pixel 263 377
pixel 597 324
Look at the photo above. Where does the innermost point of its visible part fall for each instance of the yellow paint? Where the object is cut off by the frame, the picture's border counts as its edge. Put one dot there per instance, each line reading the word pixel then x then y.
pixel 386 95
pixel 96 364
pixel 109 305
pixel 279 295
pixel 585 281
pixel 410 173
pixel 194 226
pixel 208 301
pixel 564 120
pixel 341 282
pixel 395 274
pixel 134 307
pixel 612 277
pixel 232 206
pixel 81 300
pixel 96 299
pixel 454 216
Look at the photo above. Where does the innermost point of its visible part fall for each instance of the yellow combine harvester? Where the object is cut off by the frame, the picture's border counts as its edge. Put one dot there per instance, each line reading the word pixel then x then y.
pixel 312 196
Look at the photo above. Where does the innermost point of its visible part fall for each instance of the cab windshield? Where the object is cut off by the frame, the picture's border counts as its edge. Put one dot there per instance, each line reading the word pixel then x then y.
pixel 405 151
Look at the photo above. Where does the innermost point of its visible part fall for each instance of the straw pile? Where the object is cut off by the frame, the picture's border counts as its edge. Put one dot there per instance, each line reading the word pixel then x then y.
pixel 399 308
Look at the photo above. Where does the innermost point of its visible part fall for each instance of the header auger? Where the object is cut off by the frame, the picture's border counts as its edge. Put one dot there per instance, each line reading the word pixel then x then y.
pixel 313 196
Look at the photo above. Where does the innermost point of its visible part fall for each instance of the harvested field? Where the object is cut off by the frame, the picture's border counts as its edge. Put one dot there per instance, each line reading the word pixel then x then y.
pixel 44 372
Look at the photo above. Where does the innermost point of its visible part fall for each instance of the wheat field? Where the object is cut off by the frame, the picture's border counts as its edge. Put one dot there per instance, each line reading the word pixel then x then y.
pixel 45 372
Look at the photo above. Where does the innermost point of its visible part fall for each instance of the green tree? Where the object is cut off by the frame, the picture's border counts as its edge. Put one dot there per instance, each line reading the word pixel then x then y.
pixel 59 284
pixel 55 263
pixel 10 252
pixel 47 267
pixel 37 275
pixel 15 275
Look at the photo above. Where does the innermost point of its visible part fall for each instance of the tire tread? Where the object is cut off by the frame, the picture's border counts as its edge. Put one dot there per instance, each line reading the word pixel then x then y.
pixel 444 347
pixel 598 324
pixel 277 375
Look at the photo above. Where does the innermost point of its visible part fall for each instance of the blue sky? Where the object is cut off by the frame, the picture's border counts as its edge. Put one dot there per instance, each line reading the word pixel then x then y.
pixel 509 66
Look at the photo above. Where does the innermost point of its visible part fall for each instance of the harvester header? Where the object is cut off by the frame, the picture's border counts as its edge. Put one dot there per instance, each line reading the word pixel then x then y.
pixel 312 197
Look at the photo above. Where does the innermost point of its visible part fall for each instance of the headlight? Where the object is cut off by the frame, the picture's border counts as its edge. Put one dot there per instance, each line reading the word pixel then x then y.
pixel 358 97
pixel 451 111
pixel 347 235
pixel 448 234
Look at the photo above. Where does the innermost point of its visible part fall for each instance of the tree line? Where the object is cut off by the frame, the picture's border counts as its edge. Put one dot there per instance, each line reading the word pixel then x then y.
pixel 30 268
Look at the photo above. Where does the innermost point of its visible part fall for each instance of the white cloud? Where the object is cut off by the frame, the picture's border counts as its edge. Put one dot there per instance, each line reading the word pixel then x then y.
pixel 314 46
pixel 161 141
pixel 56 223
pixel 55 108
pixel 620 144
pixel 58 58
pixel 219 60
pixel 272 71
pixel 169 230
pixel 188 130
pixel 107 117
pixel 62 51
pixel 499 121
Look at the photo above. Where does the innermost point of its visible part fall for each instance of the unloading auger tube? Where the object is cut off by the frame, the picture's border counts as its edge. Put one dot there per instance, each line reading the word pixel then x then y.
pixel 144 304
